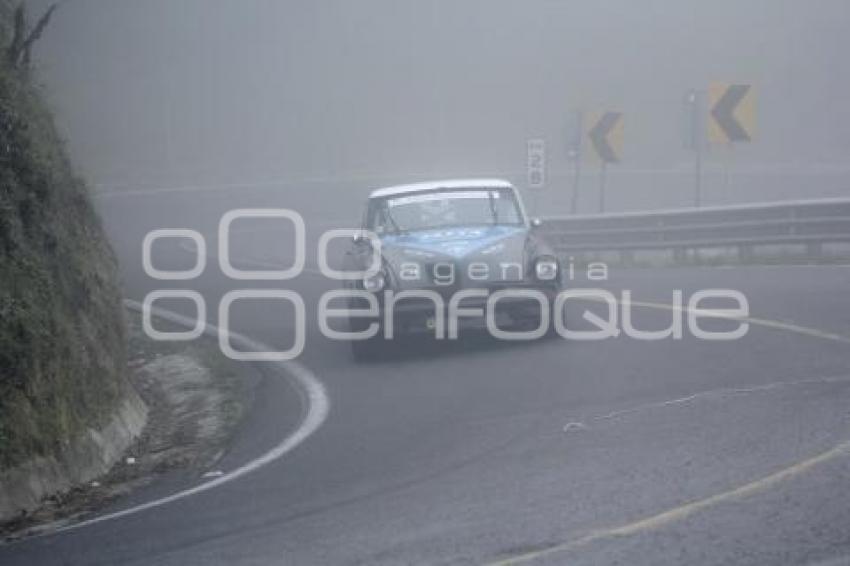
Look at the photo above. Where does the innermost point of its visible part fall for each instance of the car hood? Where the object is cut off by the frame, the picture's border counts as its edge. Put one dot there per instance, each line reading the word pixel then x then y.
pixel 495 246
pixel 458 243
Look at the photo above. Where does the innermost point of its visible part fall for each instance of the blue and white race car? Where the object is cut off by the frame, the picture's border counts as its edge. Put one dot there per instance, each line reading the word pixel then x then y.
pixel 442 255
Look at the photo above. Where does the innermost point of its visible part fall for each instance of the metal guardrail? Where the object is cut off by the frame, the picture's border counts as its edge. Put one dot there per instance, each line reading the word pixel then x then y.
pixel 811 222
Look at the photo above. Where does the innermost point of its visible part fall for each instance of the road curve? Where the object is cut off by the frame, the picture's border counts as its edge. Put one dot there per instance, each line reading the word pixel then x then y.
pixel 620 451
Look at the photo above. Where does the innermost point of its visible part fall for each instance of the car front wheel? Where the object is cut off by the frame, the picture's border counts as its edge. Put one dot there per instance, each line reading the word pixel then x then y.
pixel 366 350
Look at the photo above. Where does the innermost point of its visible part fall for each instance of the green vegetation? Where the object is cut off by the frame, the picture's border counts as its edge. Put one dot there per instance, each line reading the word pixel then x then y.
pixel 62 337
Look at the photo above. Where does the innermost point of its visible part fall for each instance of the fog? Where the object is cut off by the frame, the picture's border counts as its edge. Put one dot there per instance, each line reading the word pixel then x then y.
pixel 347 95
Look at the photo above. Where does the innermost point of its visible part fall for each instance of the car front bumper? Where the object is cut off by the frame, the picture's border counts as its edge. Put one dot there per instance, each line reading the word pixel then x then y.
pixel 411 315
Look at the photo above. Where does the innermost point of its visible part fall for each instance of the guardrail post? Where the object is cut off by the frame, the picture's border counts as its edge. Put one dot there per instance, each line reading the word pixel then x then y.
pixel 745 253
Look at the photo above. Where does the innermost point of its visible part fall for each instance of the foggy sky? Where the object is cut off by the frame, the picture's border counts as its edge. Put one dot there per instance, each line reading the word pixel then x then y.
pixel 166 92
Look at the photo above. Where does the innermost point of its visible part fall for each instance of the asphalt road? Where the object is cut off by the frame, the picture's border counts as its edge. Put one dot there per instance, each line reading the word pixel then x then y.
pixel 614 452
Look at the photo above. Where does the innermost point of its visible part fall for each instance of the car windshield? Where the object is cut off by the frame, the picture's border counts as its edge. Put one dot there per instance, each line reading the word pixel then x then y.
pixel 444 208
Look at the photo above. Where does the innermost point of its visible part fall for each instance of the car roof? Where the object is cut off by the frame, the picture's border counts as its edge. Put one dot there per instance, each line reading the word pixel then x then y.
pixel 445 184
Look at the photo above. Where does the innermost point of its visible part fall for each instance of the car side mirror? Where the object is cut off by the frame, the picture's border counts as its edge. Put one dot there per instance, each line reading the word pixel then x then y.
pixel 361 238
pixel 536 223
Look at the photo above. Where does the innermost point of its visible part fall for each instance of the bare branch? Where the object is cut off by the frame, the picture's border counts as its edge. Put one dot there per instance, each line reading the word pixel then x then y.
pixel 35 34
pixel 19 52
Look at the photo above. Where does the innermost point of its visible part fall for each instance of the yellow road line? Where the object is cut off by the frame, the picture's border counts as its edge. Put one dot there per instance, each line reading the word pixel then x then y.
pixel 678 513
pixel 664 518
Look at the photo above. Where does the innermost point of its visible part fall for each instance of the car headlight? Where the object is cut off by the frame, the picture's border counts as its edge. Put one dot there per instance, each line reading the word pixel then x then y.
pixel 546 268
pixel 375 283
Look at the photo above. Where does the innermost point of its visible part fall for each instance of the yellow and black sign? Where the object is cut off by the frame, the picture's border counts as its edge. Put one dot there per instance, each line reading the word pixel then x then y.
pixel 732 113
pixel 605 132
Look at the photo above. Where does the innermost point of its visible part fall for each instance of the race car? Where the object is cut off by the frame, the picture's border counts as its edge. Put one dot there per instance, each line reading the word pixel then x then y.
pixel 442 256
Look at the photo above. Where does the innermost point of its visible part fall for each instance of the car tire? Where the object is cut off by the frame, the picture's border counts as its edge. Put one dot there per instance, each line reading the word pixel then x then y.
pixel 553 332
pixel 366 350
pixel 534 322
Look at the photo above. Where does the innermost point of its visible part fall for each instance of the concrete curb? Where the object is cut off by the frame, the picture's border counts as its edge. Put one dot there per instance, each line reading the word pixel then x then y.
pixel 89 456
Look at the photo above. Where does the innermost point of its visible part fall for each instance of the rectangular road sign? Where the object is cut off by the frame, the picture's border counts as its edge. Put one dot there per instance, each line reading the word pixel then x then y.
pixel 536 163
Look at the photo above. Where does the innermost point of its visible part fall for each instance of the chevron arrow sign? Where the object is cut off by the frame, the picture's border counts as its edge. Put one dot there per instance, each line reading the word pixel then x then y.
pixel 731 110
pixel 606 136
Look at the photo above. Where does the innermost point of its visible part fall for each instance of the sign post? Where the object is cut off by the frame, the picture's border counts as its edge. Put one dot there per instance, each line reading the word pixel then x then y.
pixel 575 155
pixel 695 138
pixel 603 169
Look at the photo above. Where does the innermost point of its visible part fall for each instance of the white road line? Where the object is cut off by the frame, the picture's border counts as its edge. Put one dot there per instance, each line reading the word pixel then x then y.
pixel 766 323
pixel 316 411
pixel 719 393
